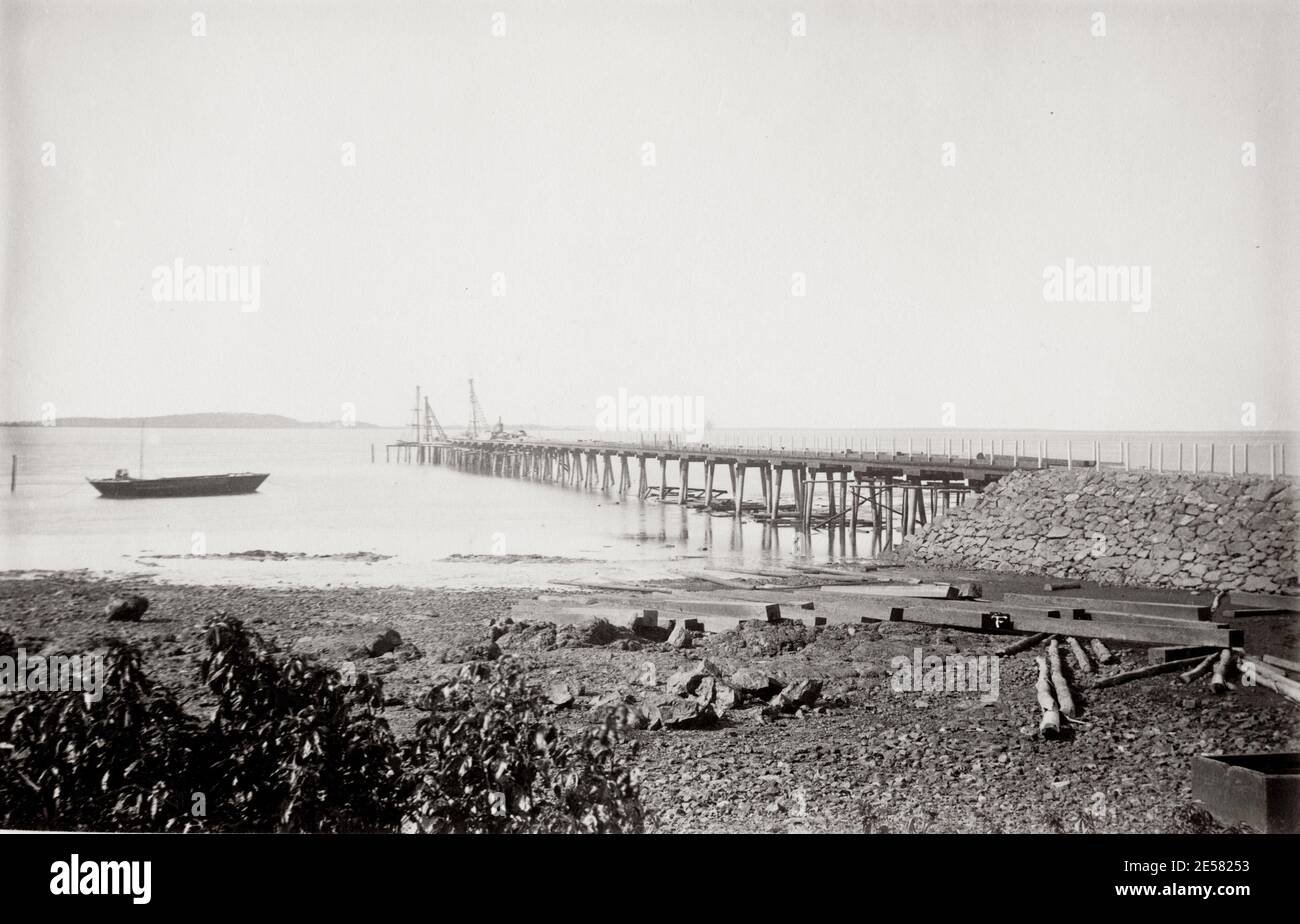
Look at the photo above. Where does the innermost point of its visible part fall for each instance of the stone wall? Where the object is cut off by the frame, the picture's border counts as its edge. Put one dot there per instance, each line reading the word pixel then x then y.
pixel 1142 528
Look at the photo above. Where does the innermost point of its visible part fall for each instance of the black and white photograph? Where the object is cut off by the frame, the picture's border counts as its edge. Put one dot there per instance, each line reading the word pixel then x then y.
pixel 729 417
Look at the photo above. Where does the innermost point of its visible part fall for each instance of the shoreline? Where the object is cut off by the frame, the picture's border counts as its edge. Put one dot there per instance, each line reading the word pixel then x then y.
pixel 865 758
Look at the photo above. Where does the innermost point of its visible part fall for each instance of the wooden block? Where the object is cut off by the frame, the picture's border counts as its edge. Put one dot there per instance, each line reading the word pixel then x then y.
pixel 1187 611
pixel 1283 663
pixel 1064 585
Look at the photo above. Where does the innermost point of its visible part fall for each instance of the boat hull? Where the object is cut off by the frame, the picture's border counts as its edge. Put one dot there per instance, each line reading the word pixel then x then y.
pixel 188 486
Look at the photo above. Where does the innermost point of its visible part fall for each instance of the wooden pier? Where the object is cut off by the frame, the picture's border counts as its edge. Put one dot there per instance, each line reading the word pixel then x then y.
pixel 892 494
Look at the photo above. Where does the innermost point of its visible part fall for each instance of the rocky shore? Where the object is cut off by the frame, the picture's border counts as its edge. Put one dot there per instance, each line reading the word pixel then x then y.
pixel 843 751
pixel 1207 532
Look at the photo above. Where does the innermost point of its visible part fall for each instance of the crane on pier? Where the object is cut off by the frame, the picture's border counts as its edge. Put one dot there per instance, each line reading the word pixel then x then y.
pixel 478 425
pixel 431 424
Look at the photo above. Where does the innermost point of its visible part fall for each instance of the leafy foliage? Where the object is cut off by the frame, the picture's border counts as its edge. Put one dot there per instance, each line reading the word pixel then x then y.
pixel 124 763
pixel 292 746
pixel 493 763
pixel 297 748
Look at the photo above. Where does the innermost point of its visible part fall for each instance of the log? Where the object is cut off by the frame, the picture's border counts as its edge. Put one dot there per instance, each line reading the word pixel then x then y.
pixel 1219 677
pixel 1024 644
pixel 1064 585
pixel 1050 724
pixel 1080 656
pixel 1150 670
pixel 1271 678
pixel 1283 663
pixel 1100 651
pixel 1199 670
pixel 1059 683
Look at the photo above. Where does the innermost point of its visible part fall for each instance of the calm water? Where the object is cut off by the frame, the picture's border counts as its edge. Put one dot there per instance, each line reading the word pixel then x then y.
pixel 325 497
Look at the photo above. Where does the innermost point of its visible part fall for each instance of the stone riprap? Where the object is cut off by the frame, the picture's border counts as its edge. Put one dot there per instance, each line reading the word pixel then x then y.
pixel 1140 528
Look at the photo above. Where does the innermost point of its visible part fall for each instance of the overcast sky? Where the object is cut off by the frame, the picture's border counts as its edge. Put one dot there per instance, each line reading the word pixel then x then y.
pixel 129 142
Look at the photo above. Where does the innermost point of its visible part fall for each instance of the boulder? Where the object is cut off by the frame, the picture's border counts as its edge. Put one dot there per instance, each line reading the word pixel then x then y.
pixel 685 713
pixel 563 694
pixel 799 693
pixel 126 609
pixel 386 641
pixel 755 682
pixel 680 637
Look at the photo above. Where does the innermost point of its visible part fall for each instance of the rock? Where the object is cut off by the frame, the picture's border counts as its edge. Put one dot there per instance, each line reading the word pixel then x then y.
pixel 799 693
pixel 387 641
pixel 724 699
pixel 329 647
pixel 755 682
pixel 680 637
pixel 685 713
pixel 683 683
pixel 483 651
pixel 563 694
pixel 706 689
pixel 126 609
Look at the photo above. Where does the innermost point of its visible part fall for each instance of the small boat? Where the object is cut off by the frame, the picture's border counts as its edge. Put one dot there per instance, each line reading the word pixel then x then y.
pixel 123 487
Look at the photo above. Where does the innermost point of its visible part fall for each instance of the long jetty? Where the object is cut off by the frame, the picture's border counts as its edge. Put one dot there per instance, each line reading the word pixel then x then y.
pixel 847 489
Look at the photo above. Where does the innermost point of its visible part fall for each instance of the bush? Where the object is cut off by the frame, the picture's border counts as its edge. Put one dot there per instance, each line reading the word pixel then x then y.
pixel 491 762
pixel 293 746
pixel 125 763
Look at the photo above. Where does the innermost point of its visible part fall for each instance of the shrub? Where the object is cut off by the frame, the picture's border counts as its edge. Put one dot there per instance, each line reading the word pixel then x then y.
pixel 125 763
pixel 293 746
pixel 490 761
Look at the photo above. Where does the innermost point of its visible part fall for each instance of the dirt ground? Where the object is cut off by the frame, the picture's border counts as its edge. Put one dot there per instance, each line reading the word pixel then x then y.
pixel 865 758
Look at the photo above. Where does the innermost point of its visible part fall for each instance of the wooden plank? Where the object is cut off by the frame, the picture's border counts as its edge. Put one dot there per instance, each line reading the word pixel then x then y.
pixel 1163 653
pixel 933 591
pixel 529 611
pixel 1265 601
pixel 736 609
pixel 1134 607
pixel 996 618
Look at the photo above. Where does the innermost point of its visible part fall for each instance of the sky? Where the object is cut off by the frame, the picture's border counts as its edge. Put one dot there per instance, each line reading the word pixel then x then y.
pixel 801 214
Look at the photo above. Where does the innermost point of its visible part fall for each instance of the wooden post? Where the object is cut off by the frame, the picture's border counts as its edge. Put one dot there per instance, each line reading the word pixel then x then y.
pixel 708 485
pixel 1069 454
pixel 1160 461
pixel 1041 451
pixel 13 474
pixel 1211 458
pixel 1232 459
pixel 1196 458
pixel 740 487
pixel 1126 448
pixel 774 478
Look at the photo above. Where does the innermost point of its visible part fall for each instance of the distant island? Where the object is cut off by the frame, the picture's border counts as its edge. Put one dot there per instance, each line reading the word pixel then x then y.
pixel 218 420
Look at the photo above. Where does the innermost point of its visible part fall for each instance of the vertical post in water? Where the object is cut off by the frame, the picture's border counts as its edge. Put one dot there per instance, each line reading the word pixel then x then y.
pixel 13 474
pixel 372 453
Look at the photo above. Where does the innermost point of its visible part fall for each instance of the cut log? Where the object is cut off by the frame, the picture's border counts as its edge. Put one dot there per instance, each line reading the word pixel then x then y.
pixel 1219 676
pixel 1200 669
pixel 1100 651
pixel 1024 644
pixel 1283 663
pixel 1080 656
pixel 1151 670
pixel 1162 653
pixel 1269 677
pixel 1050 724
pixel 1059 683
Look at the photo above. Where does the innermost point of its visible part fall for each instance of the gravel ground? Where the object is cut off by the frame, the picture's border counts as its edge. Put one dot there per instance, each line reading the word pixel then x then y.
pixel 865 758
